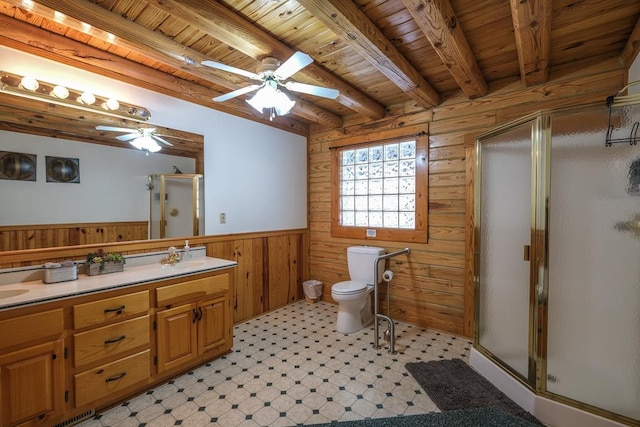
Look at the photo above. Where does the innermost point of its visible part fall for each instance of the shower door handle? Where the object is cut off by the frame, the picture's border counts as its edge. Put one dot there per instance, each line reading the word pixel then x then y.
pixel 527 252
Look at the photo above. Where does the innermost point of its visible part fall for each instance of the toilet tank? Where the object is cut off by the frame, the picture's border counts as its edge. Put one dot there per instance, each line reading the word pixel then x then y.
pixel 360 260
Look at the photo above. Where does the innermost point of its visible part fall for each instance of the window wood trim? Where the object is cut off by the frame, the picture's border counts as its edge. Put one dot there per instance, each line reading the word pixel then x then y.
pixel 420 233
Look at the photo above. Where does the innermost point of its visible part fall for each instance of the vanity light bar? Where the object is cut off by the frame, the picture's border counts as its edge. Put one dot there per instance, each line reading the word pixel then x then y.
pixel 30 88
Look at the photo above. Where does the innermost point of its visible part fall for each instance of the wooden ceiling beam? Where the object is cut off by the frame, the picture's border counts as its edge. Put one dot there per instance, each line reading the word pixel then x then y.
pixel 532 26
pixel 146 42
pixel 632 48
pixel 36 41
pixel 347 21
pixel 233 30
pixel 439 24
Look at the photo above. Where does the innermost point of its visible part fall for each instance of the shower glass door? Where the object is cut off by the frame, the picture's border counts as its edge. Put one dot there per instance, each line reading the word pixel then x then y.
pixel 593 338
pixel 176 205
pixel 505 221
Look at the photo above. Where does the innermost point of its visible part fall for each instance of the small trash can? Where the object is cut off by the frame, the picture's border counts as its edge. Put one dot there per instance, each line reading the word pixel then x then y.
pixel 312 290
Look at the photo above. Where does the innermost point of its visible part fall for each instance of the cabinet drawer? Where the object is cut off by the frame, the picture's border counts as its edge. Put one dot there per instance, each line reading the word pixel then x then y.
pixel 110 340
pixel 112 377
pixel 24 329
pixel 104 310
pixel 192 289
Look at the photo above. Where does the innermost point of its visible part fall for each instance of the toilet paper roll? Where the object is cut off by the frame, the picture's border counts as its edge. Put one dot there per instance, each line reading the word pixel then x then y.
pixel 387 275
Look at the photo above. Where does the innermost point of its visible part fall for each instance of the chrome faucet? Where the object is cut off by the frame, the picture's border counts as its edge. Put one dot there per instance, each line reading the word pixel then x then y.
pixel 174 257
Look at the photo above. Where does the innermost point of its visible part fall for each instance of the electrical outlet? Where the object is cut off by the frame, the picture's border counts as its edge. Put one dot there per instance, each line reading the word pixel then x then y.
pixel 223 217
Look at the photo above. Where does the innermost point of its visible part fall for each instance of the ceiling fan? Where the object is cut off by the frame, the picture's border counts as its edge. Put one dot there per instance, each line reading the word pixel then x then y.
pixel 141 138
pixel 272 75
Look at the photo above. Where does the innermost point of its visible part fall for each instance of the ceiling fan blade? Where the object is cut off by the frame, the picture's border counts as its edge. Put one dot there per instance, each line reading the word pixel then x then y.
pixel 230 69
pixel 115 129
pixel 237 92
pixel 312 90
pixel 295 63
pixel 128 137
pixel 161 140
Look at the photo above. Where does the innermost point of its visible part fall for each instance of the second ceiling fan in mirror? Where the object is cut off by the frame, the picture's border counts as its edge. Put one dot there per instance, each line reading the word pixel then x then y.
pixel 141 138
pixel 272 76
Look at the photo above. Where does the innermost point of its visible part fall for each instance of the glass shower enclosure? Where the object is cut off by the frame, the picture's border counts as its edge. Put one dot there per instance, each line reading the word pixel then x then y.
pixel 557 256
pixel 175 205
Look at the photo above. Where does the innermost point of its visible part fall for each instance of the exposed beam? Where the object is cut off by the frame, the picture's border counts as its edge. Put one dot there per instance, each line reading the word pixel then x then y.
pixel 231 29
pixel 439 24
pixel 347 21
pixel 131 36
pixel 532 26
pixel 632 48
pixel 28 38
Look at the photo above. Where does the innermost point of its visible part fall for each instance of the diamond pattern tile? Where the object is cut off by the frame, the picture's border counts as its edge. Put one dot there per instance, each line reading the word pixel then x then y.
pixel 289 367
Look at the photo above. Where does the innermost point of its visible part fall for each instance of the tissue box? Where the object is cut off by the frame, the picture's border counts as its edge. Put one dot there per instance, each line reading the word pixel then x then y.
pixel 60 274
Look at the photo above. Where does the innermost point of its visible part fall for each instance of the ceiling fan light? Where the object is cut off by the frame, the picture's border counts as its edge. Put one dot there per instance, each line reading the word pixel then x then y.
pixel 146 143
pixel 284 104
pixel 256 103
pixel 270 97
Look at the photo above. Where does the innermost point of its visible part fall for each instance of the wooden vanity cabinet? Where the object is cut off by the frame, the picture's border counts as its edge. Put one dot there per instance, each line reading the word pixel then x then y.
pixel 63 359
pixel 111 346
pixel 32 386
pixel 193 320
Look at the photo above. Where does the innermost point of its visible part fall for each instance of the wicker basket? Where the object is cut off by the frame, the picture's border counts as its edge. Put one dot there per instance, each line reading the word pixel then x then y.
pixel 108 267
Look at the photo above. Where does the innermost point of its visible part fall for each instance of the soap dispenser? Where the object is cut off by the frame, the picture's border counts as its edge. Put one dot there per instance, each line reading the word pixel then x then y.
pixel 186 255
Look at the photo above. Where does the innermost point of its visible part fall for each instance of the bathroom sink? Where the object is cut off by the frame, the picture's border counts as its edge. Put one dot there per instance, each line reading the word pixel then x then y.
pixel 12 293
pixel 188 264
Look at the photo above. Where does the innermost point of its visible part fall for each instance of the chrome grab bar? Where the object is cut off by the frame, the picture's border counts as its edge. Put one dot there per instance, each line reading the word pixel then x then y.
pixel 392 342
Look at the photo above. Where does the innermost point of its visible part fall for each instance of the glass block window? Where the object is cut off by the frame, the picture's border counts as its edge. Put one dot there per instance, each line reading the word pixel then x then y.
pixel 378 186
pixel 377 189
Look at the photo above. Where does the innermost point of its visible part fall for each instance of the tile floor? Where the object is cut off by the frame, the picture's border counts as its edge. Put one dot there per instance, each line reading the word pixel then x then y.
pixel 289 367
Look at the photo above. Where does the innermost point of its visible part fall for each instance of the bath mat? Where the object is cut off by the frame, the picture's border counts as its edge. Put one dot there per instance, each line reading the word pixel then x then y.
pixel 454 385
pixel 478 417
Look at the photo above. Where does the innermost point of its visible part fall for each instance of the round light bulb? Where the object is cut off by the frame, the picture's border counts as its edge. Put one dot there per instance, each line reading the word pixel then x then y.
pixel 87 98
pixel 111 104
pixel 29 83
pixel 60 92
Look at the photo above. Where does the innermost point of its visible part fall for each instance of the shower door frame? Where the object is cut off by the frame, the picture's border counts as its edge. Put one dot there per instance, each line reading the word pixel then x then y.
pixel 541 124
pixel 537 243
pixel 195 196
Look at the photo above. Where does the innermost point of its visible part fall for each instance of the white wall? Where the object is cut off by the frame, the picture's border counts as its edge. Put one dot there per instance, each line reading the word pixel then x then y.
pixel 112 183
pixel 254 173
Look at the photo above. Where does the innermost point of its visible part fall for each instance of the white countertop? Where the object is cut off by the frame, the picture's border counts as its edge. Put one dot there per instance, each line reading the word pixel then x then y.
pixel 38 292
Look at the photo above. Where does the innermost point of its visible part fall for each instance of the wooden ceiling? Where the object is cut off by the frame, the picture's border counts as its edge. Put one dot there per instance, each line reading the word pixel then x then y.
pixel 382 55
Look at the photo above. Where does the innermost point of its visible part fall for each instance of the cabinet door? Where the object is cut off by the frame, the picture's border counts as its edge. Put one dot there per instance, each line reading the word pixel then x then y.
pixel 176 334
pixel 32 384
pixel 212 330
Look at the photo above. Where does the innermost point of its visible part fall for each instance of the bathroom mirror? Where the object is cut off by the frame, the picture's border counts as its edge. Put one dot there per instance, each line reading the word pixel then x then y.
pixel 53 131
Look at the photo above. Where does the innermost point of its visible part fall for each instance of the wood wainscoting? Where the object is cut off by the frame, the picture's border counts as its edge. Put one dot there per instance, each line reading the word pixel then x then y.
pixel 271 265
pixel 19 237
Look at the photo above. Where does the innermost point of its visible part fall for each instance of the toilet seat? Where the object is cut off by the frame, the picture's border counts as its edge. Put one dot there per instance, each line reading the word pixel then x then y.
pixel 349 287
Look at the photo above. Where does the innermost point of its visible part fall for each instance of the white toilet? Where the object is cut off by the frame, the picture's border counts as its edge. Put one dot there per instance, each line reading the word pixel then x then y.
pixel 353 296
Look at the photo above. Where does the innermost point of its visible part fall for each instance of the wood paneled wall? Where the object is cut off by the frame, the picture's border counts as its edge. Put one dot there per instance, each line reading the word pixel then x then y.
pixel 433 287
pixel 18 237
pixel 271 265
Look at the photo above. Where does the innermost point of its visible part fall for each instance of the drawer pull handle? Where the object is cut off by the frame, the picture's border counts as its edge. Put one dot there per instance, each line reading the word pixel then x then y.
pixel 117 309
pixel 115 340
pixel 116 377
pixel 195 315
